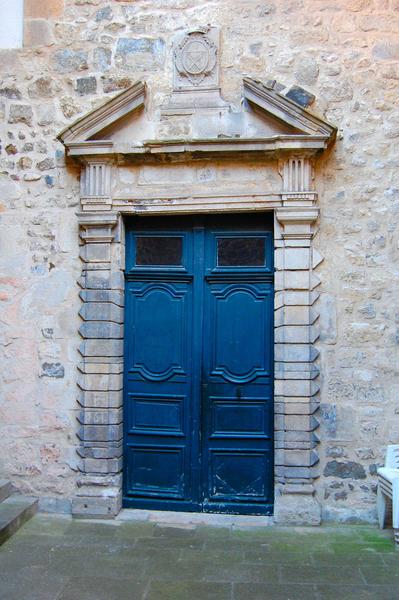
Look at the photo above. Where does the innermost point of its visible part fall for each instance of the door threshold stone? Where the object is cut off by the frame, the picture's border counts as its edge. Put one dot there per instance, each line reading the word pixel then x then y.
pixel 180 519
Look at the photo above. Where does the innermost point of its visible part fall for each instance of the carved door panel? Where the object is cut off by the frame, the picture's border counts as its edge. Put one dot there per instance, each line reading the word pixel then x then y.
pixel 198 368
pixel 237 452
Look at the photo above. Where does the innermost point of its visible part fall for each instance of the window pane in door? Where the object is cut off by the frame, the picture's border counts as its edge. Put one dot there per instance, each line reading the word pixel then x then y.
pixel 241 252
pixel 159 251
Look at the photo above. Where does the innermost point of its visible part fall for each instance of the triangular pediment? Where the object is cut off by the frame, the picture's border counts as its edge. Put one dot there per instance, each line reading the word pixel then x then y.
pixel 105 115
pixel 267 121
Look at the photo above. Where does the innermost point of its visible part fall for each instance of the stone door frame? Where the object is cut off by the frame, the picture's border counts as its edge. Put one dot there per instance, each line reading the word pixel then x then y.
pixel 101 223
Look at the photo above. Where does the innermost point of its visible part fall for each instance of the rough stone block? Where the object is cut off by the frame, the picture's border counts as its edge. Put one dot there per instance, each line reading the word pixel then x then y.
pixel 109 451
pixel 100 417
pixel 306 298
pixel 102 465
pixel 114 296
pixel 296 280
pixel 297 510
pixel 295 334
pixel 295 353
pixel 86 85
pixel 52 369
pixel 104 14
pixel 300 96
pixel 139 53
pixel 95 253
pixel 293 388
pixel 295 315
pixel 101 348
pixel 300 458
pixel 300 422
pixel 386 50
pixel 68 61
pixel 345 470
pixel 102 280
pixel 45 9
pixel 101 311
pixel 102 59
pixel 101 330
pixel 100 399
pixel 43 87
pixel 37 32
pixel 101 368
pixel 21 113
pixel 328 318
pixel 100 383
pixel 101 507
pixel 100 433
pixel 292 259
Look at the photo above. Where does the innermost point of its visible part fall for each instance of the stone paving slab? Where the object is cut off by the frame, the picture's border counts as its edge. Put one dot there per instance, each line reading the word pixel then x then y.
pixel 57 558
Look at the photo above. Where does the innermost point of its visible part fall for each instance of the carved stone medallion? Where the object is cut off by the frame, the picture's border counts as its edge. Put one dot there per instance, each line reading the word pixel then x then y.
pixel 195 58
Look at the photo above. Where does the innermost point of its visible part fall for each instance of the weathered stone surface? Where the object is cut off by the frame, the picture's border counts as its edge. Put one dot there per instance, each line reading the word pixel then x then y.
pixel 102 59
pixel 21 113
pixel 98 329
pixel 11 92
pixel 46 164
pixel 86 85
pixel 53 370
pixel 297 510
pixel 300 96
pixel 386 50
pixel 347 470
pixel 43 87
pixel 43 10
pixel 104 14
pixel 37 32
pixel 307 72
pixel 139 53
pixel 68 61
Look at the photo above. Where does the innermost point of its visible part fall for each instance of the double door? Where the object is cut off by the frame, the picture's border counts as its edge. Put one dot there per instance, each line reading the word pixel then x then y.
pixel 198 407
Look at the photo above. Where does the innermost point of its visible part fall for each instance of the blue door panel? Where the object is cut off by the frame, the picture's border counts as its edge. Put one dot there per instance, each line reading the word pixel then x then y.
pixel 198 417
pixel 233 418
pixel 160 415
pixel 238 475
pixel 156 471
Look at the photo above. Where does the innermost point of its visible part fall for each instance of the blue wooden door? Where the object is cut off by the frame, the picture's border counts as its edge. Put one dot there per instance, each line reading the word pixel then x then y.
pixel 198 365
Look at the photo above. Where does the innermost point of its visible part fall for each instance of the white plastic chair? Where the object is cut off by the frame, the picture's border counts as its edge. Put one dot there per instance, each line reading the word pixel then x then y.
pixel 388 490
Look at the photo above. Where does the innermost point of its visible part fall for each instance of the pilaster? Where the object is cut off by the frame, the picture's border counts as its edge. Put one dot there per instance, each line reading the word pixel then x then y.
pixel 296 331
pixel 100 379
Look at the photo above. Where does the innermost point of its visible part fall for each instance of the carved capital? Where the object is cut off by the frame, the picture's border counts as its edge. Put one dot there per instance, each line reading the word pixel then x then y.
pixel 95 183
pixel 297 222
pixel 97 227
pixel 297 175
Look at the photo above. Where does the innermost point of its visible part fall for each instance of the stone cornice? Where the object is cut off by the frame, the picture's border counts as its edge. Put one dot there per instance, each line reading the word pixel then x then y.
pixel 104 115
pixel 286 110
pixel 300 144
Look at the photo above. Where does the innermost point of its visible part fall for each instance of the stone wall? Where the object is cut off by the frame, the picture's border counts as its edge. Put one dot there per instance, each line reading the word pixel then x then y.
pixel 78 53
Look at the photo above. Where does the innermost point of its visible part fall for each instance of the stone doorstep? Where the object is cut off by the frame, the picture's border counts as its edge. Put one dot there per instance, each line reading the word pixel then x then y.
pixel 187 519
pixel 14 512
pixel 5 489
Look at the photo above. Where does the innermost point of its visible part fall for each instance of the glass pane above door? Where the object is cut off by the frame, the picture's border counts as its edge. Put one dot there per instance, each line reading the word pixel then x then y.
pixel 159 251
pixel 241 252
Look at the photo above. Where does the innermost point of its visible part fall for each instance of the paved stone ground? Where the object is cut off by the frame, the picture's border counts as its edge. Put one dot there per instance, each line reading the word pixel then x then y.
pixel 55 558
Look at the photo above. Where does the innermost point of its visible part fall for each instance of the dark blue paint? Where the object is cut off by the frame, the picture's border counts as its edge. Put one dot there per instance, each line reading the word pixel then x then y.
pixel 198 373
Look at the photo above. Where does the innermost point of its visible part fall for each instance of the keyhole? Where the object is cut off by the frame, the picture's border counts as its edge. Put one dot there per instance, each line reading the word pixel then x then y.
pixel 239 393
